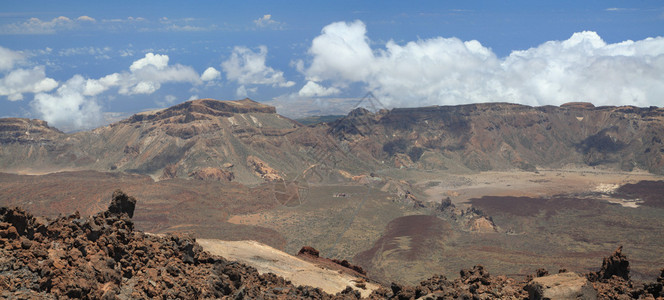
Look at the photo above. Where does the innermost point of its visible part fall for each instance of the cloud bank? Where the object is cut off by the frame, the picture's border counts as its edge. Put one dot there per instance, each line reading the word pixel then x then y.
pixel 447 71
pixel 37 26
pixel 16 82
pixel 74 105
pixel 248 68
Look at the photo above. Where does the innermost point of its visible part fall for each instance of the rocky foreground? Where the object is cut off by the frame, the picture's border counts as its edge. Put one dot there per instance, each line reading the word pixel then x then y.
pixel 102 256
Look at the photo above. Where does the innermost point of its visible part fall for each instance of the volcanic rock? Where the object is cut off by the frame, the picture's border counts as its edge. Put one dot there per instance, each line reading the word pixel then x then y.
pixel 262 169
pixel 18 130
pixel 561 286
pixel 122 204
pixel 310 254
pixel 102 257
pixel 615 265
pixel 214 174
pixel 307 250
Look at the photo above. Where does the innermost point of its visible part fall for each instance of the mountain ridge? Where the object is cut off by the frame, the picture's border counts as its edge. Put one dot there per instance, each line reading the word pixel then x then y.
pixel 474 137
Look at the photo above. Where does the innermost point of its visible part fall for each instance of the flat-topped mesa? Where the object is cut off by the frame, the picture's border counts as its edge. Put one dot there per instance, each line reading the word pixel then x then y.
pixel 23 130
pixel 203 109
pixel 582 105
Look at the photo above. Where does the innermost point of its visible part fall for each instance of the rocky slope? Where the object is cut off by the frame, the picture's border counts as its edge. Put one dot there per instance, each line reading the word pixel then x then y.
pixel 502 136
pixel 102 256
pixel 234 135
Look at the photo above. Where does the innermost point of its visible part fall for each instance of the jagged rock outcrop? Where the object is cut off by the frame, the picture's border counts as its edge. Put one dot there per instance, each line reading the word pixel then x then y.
pixel 262 169
pixel 121 204
pixel 614 265
pixel 311 254
pixel 477 283
pixel 103 257
pixel 19 130
pixel 471 219
pixel 214 174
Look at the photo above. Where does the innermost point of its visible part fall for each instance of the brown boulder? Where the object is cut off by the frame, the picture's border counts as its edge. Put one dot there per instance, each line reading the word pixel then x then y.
pixel 308 251
pixel 561 286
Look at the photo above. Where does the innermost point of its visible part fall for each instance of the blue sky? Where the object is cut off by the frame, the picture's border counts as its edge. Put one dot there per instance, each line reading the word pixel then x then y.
pixel 75 63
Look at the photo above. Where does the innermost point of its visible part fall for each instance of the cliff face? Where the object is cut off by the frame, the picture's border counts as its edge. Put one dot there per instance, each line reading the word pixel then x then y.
pixel 501 136
pixel 208 133
pixel 26 131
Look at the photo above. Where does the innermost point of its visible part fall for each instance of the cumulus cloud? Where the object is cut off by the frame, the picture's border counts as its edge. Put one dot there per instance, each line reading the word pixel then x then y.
pixel 74 105
pixel 21 81
pixel 451 71
pixel 68 108
pixel 150 59
pixel 312 89
pixel 8 58
pixel 148 74
pixel 210 74
pixel 95 87
pixel 248 67
pixel 86 18
pixel 267 21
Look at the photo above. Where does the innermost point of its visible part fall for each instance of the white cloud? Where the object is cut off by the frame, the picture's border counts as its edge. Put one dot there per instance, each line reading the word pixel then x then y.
pixel 150 59
pixel 243 92
pixel 86 19
pixel 451 71
pixel 341 52
pixel 96 51
pixel 8 58
pixel 148 74
pixel 129 19
pixel 248 67
pixel 210 74
pixel 74 106
pixel 37 26
pixel 145 76
pixel 94 87
pixel 267 21
pixel 312 89
pixel 68 109
pixel 21 81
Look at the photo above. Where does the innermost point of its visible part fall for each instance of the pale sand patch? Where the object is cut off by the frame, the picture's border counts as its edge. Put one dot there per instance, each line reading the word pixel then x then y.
pixel 269 260
pixel 249 219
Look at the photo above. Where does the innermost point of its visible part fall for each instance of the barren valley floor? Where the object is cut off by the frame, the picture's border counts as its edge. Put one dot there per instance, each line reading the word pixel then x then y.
pixel 568 218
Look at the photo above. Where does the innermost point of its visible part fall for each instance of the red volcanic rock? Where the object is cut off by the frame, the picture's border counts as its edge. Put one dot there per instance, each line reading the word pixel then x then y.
pixel 307 250
pixel 615 265
pixel 102 257
pixel 311 254
pixel 122 204
pixel 344 263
